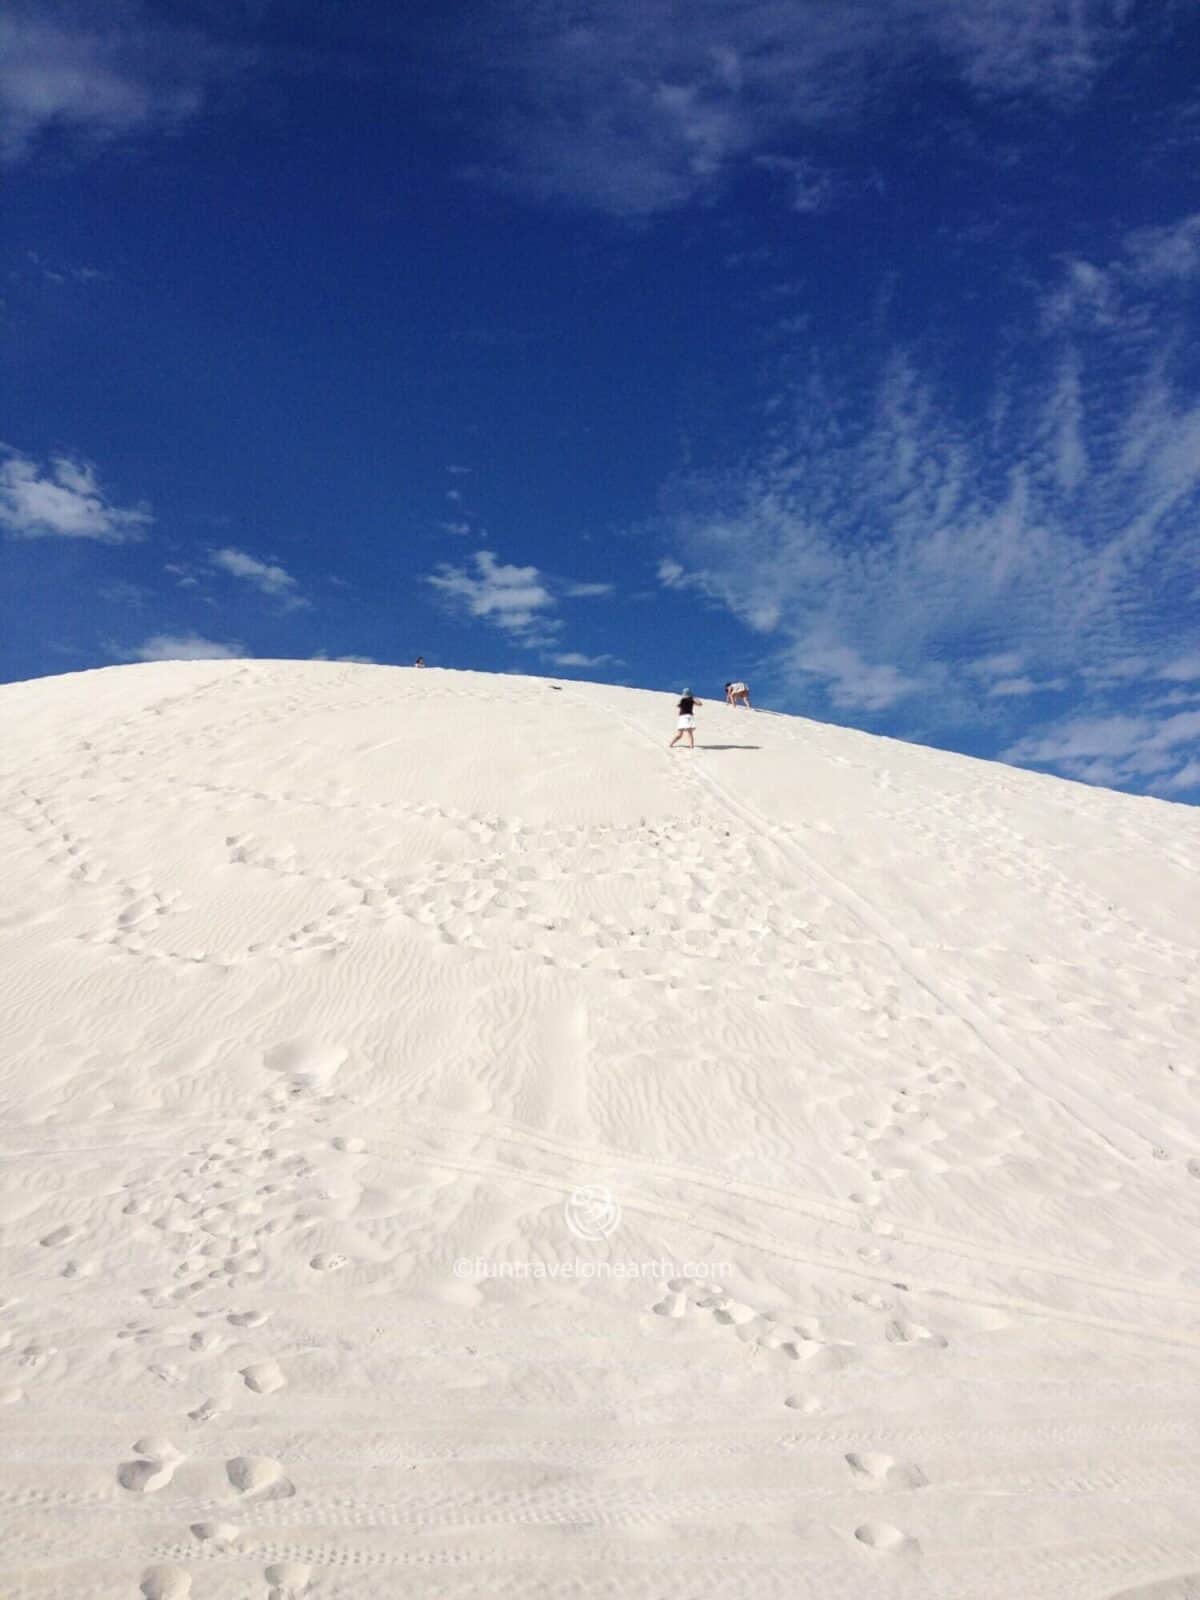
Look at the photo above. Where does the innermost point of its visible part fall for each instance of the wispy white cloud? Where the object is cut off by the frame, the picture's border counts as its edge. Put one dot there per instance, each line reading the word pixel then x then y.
pixel 1003 663
pixel 63 500
pixel 1174 698
pixel 522 602
pixel 1001 677
pixel 575 658
pixel 906 552
pixel 1113 295
pixel 1114 749
pixel 1020 688
pixel 266 576
pixel 184 575
pixel 1085 294
pixel 514 599
pixel 629 109
pixel 810 188
pixel 1165 254
pixel 185 647
pixel 1184 669
pixel 1065 422
pixel 1118 671
pixel 1188 777
pixel 1043 47
pixel 850 681
pixel 98 73
pixel 61 272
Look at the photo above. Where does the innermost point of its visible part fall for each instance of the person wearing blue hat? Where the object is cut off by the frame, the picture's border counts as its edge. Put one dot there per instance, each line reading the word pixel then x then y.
pixel 687 721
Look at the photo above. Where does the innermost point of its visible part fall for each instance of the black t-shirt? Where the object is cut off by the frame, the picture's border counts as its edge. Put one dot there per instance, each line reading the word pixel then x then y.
pixel 685 705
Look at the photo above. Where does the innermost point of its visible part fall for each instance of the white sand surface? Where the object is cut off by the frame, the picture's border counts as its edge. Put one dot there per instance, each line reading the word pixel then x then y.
pixel 316 978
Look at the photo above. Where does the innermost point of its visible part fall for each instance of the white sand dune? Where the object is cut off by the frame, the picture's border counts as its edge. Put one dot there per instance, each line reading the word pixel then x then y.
pixel 316 979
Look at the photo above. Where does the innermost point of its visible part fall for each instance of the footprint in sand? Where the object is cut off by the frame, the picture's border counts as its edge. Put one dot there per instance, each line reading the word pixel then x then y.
pixel 166 1583
pixel 897 1332
pixel 35 1356
pixel 328 1261
pixel 874 1302
pixel 248 1319
pixel 206 1411
pixel 217 1533
pixel 259 1475
pixel 807 1403
pixel 158 1463
pixel 874 1257
pixel 882 1536
pixel 288 1580
pixel 58 1236
pixel 307 1064
pixel 731 1313
pixel 263 1377
pixel 673 1305
pixel 353 1147
pixel 877 1468
pixel 818 1356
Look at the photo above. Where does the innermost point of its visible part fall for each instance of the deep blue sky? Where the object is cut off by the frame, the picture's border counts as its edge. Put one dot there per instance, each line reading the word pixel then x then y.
pixel 847 346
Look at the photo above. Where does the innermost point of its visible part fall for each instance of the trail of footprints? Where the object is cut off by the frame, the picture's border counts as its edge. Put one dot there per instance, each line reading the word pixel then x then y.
pixel 213 1224
pixel 60 845
pixel 805 1343
pixel 527 888
pixel 907 1140
pixel 209 1224
pixel 803 1340
pixel 522 892
pixel 140 907
pixel 552 893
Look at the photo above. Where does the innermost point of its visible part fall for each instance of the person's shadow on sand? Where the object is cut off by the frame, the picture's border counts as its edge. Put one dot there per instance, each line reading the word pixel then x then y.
pixel 729 747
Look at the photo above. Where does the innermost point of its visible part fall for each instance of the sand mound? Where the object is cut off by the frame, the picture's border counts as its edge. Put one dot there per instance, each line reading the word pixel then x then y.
pixel 453 1146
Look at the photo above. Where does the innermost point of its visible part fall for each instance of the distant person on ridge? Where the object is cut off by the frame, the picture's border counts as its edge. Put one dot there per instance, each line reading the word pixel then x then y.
pixel 687 721
pixel 419 662
pixel 737 694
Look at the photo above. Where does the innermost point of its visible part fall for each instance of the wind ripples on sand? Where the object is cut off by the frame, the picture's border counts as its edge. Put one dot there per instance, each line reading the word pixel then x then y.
pixel 320 979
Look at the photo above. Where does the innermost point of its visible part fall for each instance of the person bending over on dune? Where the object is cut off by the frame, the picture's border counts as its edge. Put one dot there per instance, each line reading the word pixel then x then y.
pixel 737 694
pixel 687 721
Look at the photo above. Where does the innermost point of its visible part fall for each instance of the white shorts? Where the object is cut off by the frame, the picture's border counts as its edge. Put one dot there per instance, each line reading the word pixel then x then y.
pixel 738 688
pixel 686 722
